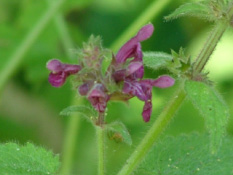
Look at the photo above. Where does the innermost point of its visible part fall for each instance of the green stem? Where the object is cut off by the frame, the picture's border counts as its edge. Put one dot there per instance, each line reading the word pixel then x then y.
pixel 209 46
pixel 154 132
pixel 212 41
pixel 151 12
pixel 70 142
pixel 100 141
pixel 18 55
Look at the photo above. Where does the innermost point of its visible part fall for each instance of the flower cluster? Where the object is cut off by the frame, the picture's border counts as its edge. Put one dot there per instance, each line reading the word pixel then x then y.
pixel 125 74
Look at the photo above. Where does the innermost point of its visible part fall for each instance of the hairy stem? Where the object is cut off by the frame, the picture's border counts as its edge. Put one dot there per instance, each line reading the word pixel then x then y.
pixel 18 55
pixel 154 132
pixel 100 142
pixel 148 14
pixel 212 41
pixel 209 46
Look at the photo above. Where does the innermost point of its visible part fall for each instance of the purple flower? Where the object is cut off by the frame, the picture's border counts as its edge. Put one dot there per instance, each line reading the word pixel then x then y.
pixel 132 49
pixel 143 90
pixel 98 97
pixel 60 72
pixel 84 88
pixel 133 72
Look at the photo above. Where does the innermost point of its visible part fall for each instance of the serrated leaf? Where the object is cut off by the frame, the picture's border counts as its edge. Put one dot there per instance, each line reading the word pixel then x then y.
pixel 86 112
pixel 188 155
pixel 118 132
pixel 199 9
pixel 156 60
pixel 27 160
pixel 212 107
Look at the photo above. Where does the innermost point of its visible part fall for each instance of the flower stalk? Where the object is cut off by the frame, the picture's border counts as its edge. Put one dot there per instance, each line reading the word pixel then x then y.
pixel 100 143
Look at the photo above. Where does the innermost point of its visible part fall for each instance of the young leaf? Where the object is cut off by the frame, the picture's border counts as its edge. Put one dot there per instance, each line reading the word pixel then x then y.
pixel 188 155
pixel 118 132
pixel 86 112
pixel 27 160
pixel 212 107
pixel 156 60
pixel 198 9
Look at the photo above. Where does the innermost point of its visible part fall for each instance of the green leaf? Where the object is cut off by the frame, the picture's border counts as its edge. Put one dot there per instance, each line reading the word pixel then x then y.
pixel 188 155
pixel 212 107
pixel 199 9
pixel 118 132
pixel 86 112
pixel 27 160
pixel 156 60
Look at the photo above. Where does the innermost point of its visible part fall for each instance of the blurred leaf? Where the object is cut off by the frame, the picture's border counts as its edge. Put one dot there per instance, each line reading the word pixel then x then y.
pixel 27 160
pixel 86 112
pixel 188 155
pixel 46 46
pixel 156 60
pixel 118 132
pixel 72 4
pixel 212 107
pixel 8 10
pixel 197 9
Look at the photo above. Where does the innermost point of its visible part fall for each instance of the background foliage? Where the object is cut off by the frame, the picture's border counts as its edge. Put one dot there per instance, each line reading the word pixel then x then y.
pixel 29 106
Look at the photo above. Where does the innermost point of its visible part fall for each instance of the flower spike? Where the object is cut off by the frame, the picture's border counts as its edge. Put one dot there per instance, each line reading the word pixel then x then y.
pixel 99 87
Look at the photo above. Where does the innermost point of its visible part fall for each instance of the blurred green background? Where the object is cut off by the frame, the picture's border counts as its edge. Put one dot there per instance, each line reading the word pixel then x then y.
pixel 30 106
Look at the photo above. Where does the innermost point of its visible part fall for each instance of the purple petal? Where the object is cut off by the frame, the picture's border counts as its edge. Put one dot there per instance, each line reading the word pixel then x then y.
pixel 147 109
pixel 138 58
pixel 163 82
pixel 126 51
pixel 137 54
pixel 133 67
pixel 98 97
pixel 132 47
pixel 72 69
pixel 83 89
pixel 57 79
pixel 119 75
pixel 145 32
pixel 55 65
pixel 134 88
